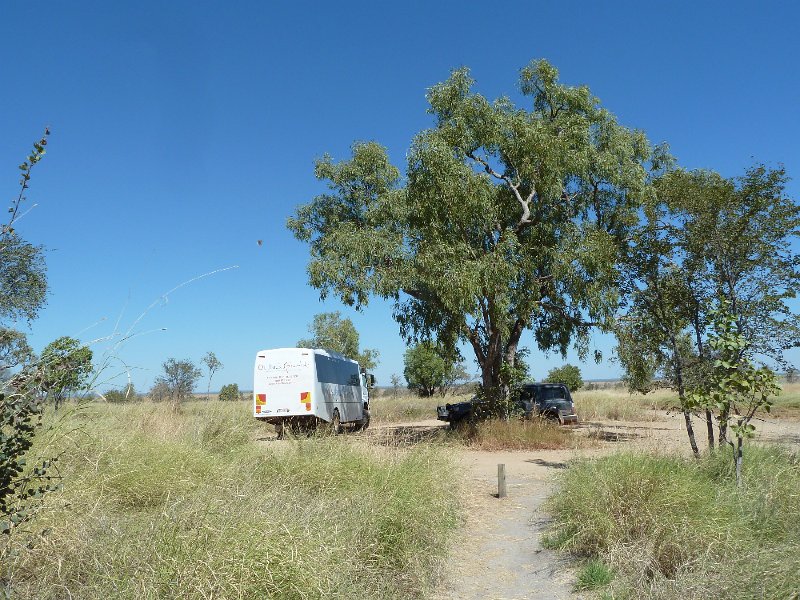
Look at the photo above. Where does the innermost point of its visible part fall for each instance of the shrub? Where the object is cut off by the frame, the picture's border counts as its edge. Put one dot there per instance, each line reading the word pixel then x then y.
pixel 22 485
pixel 230 393
pixel 126 395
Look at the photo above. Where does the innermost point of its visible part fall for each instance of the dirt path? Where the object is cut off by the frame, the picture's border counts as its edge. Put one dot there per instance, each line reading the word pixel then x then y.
pixel 499 555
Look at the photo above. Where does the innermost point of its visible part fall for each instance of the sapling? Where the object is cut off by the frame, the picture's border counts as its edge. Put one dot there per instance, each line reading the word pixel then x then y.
pixel 736 388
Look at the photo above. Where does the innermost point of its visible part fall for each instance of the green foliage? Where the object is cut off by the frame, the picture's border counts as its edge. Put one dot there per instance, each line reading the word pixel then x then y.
pixel 22 268
pixel 178 380
pixel 569 375
pixel 672 527
pixel 735 387
pixel 429 367
pixel 128 394
pixel 594 574
pixel 705 237
pixel 736 237
pixel 230 393
pixel 24 480
pixel 331 332
pixel 14 349
pixel 66 366
pixel 507 219
pixel 22 485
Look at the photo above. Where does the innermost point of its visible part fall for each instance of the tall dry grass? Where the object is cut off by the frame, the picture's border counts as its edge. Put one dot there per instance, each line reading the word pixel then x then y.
pixel 406 406
pixel 617 404
pixel 201 505
pixel 676 528
pixel 518 434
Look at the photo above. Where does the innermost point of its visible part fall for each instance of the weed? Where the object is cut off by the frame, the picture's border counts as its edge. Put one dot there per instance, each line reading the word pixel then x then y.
pixel 594 574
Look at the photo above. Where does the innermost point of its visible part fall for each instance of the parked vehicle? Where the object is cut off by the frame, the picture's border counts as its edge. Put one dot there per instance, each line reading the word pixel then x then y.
pixel 548 400
pixel 300 388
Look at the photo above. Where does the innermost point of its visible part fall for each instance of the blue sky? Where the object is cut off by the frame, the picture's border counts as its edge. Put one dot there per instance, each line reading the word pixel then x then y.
pixel 183 132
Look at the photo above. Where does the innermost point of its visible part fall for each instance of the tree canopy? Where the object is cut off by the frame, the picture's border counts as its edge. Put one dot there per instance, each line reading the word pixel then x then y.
pixel 178 380
pixel 66 366
pixel 428 368
pixel 569 375
pixel 332 332
pixel 508 218
pixel 706 241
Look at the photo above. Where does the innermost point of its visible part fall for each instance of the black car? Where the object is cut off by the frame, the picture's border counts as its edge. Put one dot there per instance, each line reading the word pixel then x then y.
pixel 549 400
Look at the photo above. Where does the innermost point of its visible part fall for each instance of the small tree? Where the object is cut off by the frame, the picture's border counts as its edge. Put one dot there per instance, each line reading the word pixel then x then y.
pixel 159 392
pixel 332 332
pixel 128 394
pixel 424 369
pixel 735 386
pixel 429 367
pixel 569 375
pixel 14 350
pixel 213 365
pixel 230 393
pixel 66 366
pixel 396 381
pixel 179 380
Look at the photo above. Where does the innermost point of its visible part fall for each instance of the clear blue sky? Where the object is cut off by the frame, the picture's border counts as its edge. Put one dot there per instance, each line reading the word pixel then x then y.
pixel 182 132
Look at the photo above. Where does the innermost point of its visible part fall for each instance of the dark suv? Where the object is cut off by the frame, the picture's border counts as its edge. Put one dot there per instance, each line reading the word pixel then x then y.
pixel 549 400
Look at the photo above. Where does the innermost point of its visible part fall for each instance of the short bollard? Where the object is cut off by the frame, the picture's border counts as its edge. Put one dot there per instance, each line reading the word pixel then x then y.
pixel 501 481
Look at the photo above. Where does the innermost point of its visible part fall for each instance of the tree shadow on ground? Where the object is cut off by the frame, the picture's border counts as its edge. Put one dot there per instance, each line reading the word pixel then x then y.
pixel 547 463
pixel 405 435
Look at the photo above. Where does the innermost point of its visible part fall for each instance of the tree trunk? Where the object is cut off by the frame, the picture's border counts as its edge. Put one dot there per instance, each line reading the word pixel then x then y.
pixel 690 432
pixel 709 415
pixel 737 457
pixel 723 427
pixel 682 398
pixel 710 429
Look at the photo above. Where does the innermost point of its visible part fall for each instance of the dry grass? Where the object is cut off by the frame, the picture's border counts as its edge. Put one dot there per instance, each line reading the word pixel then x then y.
pixel 201 505
pixel 516 434
pixel 678 528
pixel 619 405
pixel 405 407
pixel 787 404
pixel 616 404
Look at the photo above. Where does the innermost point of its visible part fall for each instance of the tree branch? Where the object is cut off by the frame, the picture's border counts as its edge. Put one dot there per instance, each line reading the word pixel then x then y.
pixel 525 203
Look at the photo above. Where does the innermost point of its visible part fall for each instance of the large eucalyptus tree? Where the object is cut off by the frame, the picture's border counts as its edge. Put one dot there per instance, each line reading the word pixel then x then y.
pixel 508 218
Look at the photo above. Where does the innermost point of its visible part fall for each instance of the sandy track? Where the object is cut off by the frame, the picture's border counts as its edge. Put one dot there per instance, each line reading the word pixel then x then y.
pixel 498 555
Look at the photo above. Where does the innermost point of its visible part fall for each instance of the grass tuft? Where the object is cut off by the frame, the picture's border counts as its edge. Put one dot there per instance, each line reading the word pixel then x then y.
pixel 674 528
pixel 594 574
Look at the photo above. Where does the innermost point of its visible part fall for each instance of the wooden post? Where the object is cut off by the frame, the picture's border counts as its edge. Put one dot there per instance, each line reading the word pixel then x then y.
pixel 501 481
